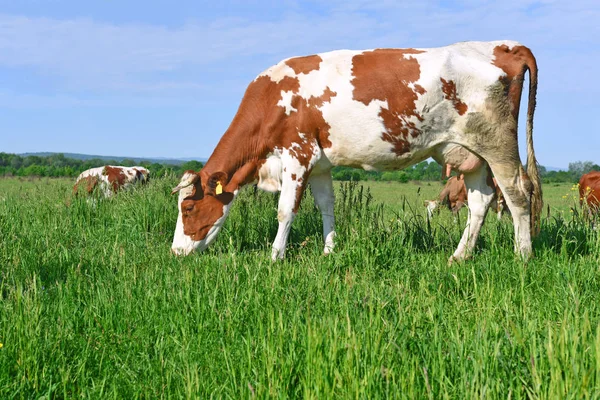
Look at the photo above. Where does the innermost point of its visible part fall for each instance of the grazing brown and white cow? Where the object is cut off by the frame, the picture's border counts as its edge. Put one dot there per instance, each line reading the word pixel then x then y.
pixel 382 109
pixel 589 191
pixel 454 196
pixel 110 179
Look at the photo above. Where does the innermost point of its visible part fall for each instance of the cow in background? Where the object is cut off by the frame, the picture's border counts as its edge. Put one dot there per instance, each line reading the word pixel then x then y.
pixel 454 195
pixel 110 179
pixel 589 192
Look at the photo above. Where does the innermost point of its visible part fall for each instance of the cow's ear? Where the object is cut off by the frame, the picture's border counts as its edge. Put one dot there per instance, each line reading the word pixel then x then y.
pixel 216 183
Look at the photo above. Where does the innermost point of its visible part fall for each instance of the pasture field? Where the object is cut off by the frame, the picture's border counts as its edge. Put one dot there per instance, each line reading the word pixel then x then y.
pixel 93 305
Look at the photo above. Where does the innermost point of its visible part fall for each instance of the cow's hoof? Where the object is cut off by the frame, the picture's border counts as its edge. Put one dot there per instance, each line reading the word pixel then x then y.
pixel 457 260
pixel 327 251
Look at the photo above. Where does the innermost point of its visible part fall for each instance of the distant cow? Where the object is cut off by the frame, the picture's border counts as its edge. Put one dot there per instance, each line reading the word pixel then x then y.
pixel 589 191
pixel 377 109
pixel 454 196
pixel 110 179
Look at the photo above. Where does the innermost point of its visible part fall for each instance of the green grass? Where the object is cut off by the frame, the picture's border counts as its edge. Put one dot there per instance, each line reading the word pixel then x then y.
pixel 93 305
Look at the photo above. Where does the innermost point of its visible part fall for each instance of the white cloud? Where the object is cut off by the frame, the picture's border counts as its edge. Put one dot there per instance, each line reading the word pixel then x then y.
pixel 83 55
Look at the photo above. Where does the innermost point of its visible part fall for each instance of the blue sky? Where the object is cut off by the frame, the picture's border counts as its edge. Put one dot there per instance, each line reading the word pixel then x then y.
pixel 164 79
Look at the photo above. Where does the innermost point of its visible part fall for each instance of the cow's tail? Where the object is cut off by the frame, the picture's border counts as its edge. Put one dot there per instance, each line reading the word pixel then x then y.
pixel 532 164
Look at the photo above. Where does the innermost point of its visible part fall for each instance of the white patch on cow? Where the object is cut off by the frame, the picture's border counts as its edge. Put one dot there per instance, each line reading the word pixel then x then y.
pixel 312 84
pixel 278 72
pixel 269 174
pixel 286 101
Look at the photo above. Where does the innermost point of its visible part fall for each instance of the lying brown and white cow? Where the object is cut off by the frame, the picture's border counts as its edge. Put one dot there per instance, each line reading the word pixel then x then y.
pixel 589 191
pixel 110 179
pixel 454 196
pixel 382 109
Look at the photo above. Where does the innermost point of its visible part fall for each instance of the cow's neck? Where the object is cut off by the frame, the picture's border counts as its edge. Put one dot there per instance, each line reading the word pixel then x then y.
pixel 236 155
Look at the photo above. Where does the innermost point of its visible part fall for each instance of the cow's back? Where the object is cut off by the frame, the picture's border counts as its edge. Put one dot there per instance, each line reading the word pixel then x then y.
pixel 377 109
pixel 97 171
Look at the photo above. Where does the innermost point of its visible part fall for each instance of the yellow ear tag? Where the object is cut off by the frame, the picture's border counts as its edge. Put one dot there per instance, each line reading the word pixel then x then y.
pixel 219 188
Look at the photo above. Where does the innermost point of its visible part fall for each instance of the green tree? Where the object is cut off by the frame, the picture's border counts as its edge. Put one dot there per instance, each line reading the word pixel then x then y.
pixel 192 165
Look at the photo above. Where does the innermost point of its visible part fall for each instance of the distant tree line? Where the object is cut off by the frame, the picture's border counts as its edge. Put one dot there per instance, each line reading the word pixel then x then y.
pixel 57 165
pixel 572 175
pixel 423 171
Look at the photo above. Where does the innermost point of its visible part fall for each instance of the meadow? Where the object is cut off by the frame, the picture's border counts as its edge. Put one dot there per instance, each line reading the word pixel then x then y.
pixel 93 305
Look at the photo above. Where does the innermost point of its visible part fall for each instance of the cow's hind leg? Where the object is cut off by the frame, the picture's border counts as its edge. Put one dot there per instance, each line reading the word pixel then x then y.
pixel 516 188
pixel 322 189
pixel 480 194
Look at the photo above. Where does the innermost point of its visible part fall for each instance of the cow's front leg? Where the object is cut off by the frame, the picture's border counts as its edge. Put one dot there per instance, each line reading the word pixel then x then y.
pixel 292 188
pixel 322 189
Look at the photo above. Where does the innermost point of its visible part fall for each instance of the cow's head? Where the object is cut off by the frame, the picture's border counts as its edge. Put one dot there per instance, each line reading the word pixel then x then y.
pixel 432 205
pixel 203 207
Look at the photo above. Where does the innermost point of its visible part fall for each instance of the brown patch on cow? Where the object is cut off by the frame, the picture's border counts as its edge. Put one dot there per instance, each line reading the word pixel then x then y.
pixel 454 193
pixel 513 62
pixel 449 89
pixel 589 190
pixel 293 177
pixel 260 125
pixel 90 183
pixel 116 177
pixel 385 75
pixel 322 135
pixel 304 65
pixel 299 193
pixel 326 97
pixel 277 129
